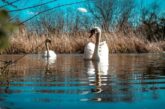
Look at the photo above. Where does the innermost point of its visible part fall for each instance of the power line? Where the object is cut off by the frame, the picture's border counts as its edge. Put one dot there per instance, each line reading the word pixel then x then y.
pixel 16 14
pixel 9 3
pixel 52 9
pixel 32 6
pixel 10 62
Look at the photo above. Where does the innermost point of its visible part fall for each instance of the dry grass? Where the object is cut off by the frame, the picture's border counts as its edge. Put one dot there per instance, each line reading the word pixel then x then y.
pixel 24 42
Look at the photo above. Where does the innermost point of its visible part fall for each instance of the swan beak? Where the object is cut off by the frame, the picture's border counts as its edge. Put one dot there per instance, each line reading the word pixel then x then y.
pixel 90 35
pixel 92 32
pixel 50 42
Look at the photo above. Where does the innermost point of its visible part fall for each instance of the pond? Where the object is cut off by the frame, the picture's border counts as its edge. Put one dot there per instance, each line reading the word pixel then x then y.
pixel 129 81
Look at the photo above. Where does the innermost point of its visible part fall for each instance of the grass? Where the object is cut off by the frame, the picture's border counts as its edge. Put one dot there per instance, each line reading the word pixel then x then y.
pixel 25 42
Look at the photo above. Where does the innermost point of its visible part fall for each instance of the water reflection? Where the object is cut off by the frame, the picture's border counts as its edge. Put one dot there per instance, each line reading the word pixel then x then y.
pixel 96 71
pixel 4 81
pixel 71 80
pixel 49 62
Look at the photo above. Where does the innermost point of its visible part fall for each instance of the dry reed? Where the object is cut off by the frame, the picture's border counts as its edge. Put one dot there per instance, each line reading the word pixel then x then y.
pixel 25 42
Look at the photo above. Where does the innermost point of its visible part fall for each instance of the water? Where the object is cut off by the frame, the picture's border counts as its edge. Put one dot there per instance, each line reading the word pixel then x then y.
pixel 130 81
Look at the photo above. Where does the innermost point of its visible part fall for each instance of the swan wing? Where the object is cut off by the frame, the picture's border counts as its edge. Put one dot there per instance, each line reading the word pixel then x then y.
pixel 89 50
pixel 103 51
pixel 50 54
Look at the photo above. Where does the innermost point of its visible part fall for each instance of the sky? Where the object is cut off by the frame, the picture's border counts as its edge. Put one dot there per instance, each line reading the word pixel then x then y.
pixel 30 12
pixel 23 15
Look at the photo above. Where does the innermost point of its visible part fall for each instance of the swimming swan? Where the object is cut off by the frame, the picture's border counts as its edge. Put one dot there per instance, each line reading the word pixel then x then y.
pixel 49 54
pixel 98 51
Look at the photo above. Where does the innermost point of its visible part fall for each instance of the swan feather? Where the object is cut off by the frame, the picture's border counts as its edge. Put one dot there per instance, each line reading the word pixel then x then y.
pixel 89 50
pixel 50 54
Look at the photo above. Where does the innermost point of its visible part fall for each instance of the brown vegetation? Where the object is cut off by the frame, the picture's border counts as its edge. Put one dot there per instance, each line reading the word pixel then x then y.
pixel 74 43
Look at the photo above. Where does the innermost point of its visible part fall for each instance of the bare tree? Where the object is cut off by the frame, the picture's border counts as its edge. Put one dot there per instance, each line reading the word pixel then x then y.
pixel 102 11
pixel 152 25
pixel 108 12
pixel 126 8
pixel 50 22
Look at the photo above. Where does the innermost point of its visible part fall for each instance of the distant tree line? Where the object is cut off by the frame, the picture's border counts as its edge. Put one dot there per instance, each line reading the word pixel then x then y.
pixel 110 15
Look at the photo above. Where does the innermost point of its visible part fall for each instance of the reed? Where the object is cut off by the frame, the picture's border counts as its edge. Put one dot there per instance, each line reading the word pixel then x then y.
pixel 118 42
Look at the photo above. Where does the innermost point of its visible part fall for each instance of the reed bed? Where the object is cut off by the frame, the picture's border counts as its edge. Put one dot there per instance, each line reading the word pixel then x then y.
pixel 25 42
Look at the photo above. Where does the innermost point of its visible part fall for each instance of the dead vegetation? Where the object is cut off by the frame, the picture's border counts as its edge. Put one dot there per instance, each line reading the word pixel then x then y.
pixel 74 43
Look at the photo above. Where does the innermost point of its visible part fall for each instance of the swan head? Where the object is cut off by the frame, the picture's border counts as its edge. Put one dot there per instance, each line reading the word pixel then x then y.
pixel 48 40
pixel 94 30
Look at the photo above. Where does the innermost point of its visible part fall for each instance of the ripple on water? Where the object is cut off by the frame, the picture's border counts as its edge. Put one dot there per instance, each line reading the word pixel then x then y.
pixel 130 81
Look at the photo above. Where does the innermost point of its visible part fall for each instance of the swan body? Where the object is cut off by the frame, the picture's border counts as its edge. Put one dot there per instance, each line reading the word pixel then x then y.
pixel 98 51
pixel 90 48
pixel 49 54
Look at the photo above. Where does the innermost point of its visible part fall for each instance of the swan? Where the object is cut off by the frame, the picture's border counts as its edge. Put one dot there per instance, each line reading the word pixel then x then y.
pixel 49 54
pixel 98 51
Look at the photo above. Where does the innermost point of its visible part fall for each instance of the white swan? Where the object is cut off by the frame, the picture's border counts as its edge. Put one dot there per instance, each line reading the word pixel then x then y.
pixel 49 54
pixel 98 51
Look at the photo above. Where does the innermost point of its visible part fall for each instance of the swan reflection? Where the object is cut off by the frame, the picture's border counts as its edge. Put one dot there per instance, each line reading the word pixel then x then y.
pixel 96 72
pixel 49 62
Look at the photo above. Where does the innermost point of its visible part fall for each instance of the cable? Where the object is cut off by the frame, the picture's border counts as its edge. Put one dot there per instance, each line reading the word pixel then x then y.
pixel 26 54
pixel 52 9
pixel 16 14
pixel 32 6
pixel 9 3
pixel 10 62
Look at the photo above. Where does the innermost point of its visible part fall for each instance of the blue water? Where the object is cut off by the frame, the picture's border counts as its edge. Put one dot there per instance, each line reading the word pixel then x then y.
pixel 130 81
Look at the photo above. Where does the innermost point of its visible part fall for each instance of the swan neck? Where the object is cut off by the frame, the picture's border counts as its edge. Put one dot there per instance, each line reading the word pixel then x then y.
pixel 47 48
pixel 98 37
pixel 96 51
